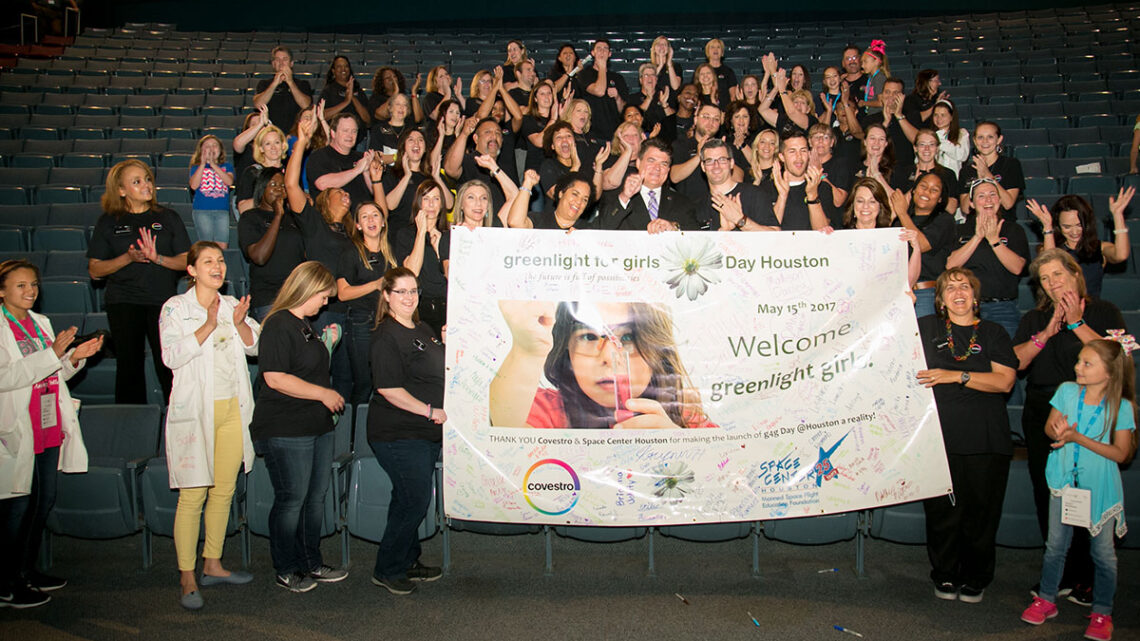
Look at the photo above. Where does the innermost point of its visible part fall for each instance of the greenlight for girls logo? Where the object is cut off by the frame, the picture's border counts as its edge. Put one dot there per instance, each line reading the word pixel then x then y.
pixel 692 263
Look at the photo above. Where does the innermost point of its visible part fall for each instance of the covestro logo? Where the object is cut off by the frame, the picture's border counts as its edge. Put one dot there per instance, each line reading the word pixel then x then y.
pixel 551 487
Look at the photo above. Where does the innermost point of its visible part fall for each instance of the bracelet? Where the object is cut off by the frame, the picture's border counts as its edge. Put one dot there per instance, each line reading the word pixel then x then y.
pixel 377 182
pixel 997 244
pixel 158 261
pixel 428 414
pixel 1072 326
pixel 1120 231
pixel 1037 342
pixel 496 172
pixel 811 202
pixel 1047 231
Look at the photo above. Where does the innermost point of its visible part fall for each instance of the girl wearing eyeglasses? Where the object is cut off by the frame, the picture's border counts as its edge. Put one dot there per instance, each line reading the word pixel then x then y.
pixel 612 365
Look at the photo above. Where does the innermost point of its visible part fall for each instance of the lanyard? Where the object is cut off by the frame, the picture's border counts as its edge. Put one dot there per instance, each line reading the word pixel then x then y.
pixel 43 341
pixel 1092 422
pixel 868 85
pixel 832 103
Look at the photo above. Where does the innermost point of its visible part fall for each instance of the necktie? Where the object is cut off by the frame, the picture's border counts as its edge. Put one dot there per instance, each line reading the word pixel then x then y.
pixel 652 205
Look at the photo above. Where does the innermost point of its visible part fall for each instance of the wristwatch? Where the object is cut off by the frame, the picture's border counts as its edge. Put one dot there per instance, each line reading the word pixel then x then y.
pixel 965 378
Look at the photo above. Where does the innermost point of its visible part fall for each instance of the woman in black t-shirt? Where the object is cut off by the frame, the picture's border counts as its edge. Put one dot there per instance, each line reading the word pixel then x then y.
pixel 1070 224
pixel 385 134
pixel 342 92
pixel 936 228
pixel 988 163
pixel 140 249
pixel 414 166
pixel 422 247
pixel 292 426
pixel 1048 341
pixel 971 366
pixel 404 419
pixel 357 285
pixel 270 240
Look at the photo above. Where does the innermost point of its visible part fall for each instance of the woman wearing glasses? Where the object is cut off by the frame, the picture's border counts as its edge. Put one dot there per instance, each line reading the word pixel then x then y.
pixel 404 419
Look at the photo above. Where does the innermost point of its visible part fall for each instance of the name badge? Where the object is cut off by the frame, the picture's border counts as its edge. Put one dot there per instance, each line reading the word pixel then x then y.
pixel 49 417
pixel 123 230
pixel 1076 507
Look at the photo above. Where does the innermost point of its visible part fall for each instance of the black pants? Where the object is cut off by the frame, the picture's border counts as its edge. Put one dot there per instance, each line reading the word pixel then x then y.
pixel 1078 562
pixel 132 327
pixel 22 521
pixel 961 537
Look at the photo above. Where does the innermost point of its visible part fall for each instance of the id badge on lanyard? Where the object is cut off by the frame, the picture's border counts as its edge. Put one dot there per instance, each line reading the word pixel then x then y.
pixel 1076 507
pixel 49 416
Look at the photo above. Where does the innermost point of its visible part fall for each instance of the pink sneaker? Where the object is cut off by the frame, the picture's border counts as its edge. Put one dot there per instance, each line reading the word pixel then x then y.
pixel 1039 611
pixel 1100 627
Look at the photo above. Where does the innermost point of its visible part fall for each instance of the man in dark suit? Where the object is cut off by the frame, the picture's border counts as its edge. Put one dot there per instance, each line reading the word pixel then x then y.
pixel 644 201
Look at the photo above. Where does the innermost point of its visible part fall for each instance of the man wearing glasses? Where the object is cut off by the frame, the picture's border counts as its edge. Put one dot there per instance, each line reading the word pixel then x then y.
pixel 732 205
pixel 685 173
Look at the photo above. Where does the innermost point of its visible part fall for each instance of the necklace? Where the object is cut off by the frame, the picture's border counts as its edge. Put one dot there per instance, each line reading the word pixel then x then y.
pixel 972 348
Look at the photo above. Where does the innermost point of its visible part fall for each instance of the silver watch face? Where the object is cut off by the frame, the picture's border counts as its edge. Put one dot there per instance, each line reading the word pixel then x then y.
pixel 965 377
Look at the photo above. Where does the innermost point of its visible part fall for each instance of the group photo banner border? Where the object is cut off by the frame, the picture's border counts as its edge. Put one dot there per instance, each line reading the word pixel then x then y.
pixel 633 379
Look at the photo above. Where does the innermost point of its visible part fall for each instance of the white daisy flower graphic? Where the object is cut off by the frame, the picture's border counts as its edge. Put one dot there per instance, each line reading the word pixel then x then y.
pixel 692 264
pixel 673 481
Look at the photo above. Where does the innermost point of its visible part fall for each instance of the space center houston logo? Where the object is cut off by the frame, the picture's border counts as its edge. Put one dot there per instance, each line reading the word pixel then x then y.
pixel 551 487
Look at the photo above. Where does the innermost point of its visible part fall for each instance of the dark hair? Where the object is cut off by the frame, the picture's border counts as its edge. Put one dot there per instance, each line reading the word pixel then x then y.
pixel 943 196
pixel 895 80
pixel 922 84
pixel 944 278
pixel 1088 247
pixel 568 179
pixel 335 121
pixel 715 143
pixel 887 160
pixel 652 330
pixel 735 106
pixel 329 75
pixel 378 81
pixel 556 70
pixel 386 285
pixel 954 131
pixel 417 202
pixel 196 250
pixel 9 266
pixel 997 128
pixel 425 160
pixel 599 41
pixel 548 136
pixel 788 134
pixel 880 195
pixel 807 76
pixel 655 143
pixel 261 181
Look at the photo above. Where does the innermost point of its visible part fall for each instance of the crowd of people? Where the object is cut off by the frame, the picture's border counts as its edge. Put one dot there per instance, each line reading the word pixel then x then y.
pixel 346 200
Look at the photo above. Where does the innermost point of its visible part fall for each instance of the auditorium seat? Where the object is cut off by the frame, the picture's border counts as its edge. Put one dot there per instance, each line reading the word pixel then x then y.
pixel 1019 528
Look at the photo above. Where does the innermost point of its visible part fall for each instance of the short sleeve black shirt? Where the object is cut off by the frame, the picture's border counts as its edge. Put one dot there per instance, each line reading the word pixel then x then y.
pixel 290 345
pixel 139 283
pixel 412 359
pixel 265 280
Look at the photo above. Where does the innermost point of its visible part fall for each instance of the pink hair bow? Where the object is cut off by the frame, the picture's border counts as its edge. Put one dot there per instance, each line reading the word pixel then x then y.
pixel 878 46
pixel 1127 341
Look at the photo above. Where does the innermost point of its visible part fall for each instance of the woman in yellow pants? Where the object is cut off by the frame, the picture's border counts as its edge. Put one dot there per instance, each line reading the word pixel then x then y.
pixel 205 338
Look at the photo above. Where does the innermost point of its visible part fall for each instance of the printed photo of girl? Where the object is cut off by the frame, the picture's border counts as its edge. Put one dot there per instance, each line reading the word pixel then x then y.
pixel 608 365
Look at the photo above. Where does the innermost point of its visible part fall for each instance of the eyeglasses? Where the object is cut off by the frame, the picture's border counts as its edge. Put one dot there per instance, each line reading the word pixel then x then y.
pixel 709 162
pixel 587 342
pixel 406 292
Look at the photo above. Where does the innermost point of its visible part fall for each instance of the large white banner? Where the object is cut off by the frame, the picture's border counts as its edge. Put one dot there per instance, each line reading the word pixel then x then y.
pixel 622 378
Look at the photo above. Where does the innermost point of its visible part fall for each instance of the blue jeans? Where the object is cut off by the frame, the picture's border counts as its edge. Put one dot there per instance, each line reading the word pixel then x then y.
pixel 339 367
pixel 924 302
pixel 410 463
pixel 212 224
pixel 299 469
pixel 1002 312
pixel 1103 556
pixel 359 337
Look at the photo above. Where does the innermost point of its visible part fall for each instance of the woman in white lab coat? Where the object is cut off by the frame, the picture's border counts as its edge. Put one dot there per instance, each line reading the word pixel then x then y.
pixel 39 430
pixel 205 339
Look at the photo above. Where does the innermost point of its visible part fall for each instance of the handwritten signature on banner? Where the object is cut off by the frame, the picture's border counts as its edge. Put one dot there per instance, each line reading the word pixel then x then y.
pixel 797 424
